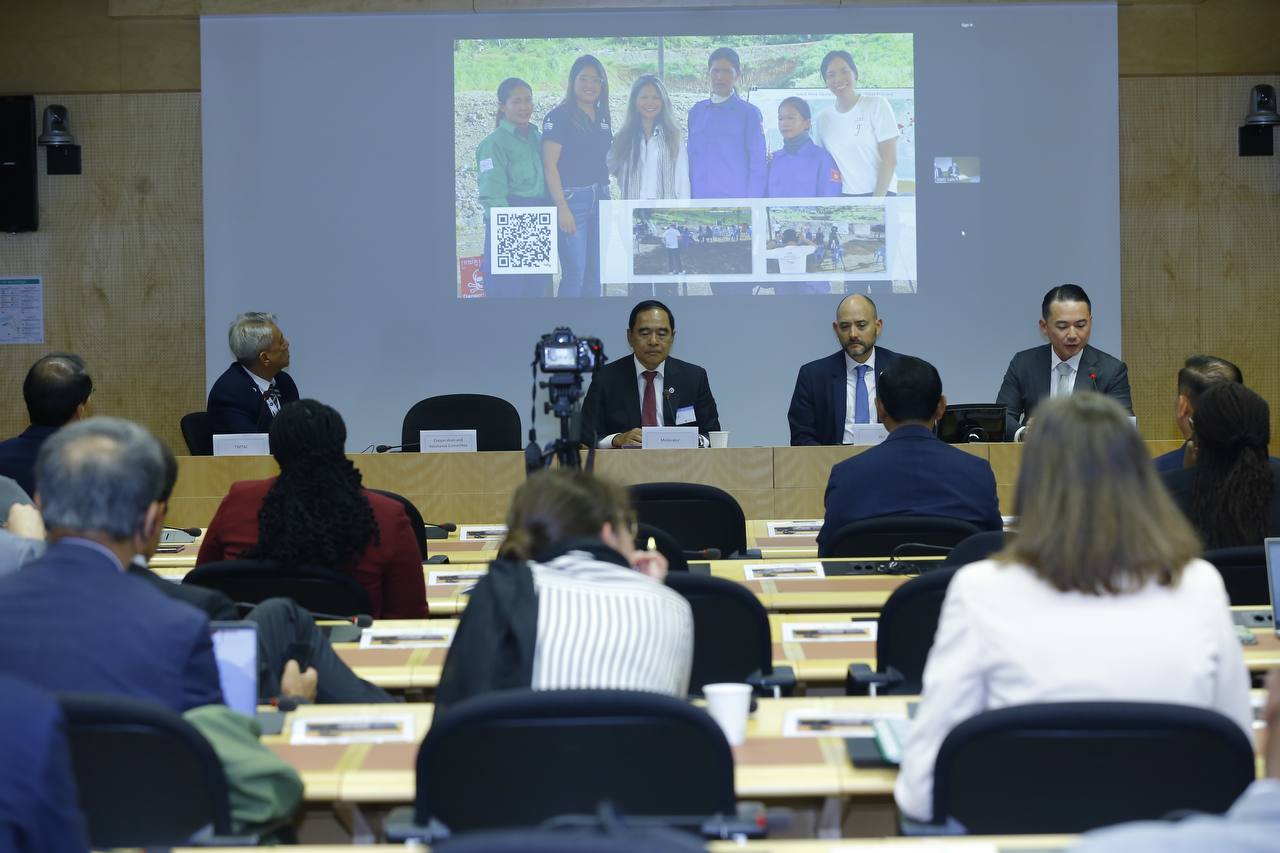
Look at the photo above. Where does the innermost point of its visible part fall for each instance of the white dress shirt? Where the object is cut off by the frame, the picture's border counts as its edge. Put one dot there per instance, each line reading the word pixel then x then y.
pixel 1006 637
pixel 851 390
pixel 659 389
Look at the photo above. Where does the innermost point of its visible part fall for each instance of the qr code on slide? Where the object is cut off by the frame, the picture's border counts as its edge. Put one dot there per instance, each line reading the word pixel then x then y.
pixel 524 240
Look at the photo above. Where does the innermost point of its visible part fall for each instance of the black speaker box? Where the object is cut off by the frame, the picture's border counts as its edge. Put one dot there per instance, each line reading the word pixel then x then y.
pixel 1256 141
pixel 19 203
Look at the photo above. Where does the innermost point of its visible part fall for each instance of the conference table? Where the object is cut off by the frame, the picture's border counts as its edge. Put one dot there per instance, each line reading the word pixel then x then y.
pixel 768 482
pixel 951 844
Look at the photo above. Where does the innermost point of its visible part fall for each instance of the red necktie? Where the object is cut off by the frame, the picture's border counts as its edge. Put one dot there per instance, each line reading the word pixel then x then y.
pixel 649 410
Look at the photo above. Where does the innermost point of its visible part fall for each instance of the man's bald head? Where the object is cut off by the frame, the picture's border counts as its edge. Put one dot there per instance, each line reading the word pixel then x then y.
pixel 857 326
pixel 56 388
pixel 859 297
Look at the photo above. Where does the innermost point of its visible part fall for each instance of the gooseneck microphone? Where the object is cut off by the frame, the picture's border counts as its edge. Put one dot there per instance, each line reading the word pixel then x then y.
pixel 190 531
pixel 383 448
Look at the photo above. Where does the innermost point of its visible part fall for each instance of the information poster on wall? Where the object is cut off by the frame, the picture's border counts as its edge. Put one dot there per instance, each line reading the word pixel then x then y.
pixel 21 310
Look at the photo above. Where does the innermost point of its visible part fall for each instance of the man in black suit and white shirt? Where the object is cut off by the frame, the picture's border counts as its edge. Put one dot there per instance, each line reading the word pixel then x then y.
pixel 1063 366
pixel 835 393
pixel 648 389
pixel 248 395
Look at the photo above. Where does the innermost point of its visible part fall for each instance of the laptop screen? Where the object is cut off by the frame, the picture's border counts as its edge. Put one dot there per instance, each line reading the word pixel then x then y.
pixel 235 645
pixel 1272 547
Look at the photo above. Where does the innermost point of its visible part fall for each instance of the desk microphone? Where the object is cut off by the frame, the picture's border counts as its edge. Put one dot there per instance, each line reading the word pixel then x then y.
pixel 383 448
pixel 190 531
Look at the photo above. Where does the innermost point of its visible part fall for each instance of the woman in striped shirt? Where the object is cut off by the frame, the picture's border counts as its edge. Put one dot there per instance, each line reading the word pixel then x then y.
pixel 570 603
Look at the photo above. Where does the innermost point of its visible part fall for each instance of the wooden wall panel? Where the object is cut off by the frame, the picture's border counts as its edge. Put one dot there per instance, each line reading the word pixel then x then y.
pixel 120 251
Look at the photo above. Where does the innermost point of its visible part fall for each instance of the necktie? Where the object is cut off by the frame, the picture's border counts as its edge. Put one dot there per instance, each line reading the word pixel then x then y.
pixel 861 406
pixel 272 396
pixel 649 409
pixel 1064 380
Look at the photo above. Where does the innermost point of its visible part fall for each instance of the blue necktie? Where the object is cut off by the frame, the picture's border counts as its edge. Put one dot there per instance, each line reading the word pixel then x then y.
pixel 861 409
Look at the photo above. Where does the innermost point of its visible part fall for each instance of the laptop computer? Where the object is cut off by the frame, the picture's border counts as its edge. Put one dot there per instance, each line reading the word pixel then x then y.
pixel 235 647
pixel 1272 549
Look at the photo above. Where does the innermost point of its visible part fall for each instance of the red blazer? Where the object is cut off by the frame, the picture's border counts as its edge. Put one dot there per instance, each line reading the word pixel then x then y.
pixel 390 571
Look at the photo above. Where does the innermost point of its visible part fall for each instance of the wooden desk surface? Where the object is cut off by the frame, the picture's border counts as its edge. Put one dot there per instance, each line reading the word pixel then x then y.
pixel 956 844
pixel 769 482
pixel 768 765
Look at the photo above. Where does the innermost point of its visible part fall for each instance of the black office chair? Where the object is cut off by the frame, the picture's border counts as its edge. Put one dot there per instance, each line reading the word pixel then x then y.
pixel 496 422
pixel 1074 766
pixel 1244 573
pixel 145 776
pixel 416 523
pixel 622 839
pixel 878 537
pixel 677 561
pixel 908 623
pixel 254 581
pixel 697 516
pixel 197 433
pixel 731 640
pixel 520 757
pixel 977 547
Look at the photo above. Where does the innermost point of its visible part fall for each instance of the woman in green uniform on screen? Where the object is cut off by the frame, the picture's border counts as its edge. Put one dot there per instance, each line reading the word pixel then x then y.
pixel 510 174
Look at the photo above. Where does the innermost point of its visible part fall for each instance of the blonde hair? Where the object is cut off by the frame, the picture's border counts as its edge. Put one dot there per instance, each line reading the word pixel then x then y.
pixel 1094 516
pixel 559 504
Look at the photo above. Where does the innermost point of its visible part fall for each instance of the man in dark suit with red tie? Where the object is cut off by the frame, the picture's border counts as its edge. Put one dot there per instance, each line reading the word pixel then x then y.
pixel 248 395
pixel 648 389
pixel 835 393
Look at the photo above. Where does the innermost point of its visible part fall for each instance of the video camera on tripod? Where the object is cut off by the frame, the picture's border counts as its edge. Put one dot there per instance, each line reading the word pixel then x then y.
pixel 564 358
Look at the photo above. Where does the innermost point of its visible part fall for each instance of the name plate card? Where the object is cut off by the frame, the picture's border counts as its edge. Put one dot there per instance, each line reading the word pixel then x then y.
pixel 447 441
pixel 668 438
pixel 242 444
pixel 869 433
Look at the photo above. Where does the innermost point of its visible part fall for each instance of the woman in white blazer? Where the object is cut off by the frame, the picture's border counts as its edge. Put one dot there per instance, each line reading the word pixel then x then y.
pixel 1099 597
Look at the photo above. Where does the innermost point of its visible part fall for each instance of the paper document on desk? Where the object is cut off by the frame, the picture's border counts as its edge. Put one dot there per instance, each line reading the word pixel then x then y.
pixel 406 638
pixel 382 728
pixel 472 532
pixel 829 632
pixel 456 577
pixel 796 527
pixel 784 571
pixel 808 722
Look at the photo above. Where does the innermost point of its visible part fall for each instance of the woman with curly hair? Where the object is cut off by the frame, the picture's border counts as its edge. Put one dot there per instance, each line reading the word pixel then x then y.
pixel 317 514
pixel 1228 489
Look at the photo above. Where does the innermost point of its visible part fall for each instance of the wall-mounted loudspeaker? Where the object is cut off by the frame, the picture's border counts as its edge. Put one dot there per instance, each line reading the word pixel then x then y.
pixel 19 203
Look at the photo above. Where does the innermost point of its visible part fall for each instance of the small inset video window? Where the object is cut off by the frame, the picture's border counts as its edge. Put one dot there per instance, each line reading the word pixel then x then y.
pixel 957 170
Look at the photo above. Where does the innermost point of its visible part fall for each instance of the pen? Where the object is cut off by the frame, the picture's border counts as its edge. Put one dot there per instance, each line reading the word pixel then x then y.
pixel 768 573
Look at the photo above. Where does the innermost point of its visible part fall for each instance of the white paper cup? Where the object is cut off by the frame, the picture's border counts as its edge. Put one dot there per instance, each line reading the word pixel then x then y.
pixel 719 438
pixel 728 705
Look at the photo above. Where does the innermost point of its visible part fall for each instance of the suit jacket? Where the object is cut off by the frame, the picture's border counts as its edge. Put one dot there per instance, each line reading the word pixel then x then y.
pixel 236 405
pixel 817 412
pixel 74 621
pixel 18 455
pixel 38 808
pixel 1251 825
pixel 613 400
pixel 1182 487
pixel 215 604
pixel 1171 461
pixel 1026 382
pixel 390 570
pixel 913 472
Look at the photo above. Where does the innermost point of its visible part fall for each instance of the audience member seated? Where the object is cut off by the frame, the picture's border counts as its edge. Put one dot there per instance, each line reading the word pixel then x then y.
pixel 912 472
pixel 1198 373
pixel 1100 597
pixel 56 391
pixel 250 393
pixel 1228 490
pixel 22 540
pixel 1251 826
pixel 570 603
pixel 38 808
pixel 316 514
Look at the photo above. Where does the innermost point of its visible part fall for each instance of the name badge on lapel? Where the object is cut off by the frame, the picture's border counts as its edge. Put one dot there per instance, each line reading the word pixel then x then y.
pixel 685 415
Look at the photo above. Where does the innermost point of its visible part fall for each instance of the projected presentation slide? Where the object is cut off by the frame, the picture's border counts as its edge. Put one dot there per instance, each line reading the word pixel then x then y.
pixel 694 165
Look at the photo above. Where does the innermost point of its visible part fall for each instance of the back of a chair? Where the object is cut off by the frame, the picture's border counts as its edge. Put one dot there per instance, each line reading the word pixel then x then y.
pixel 1075 766
pixel 496 422
pixel 416 523
pixel 254 581
pixel 877 537
pixel 730 630
pixel 977 547
pixel 908 623
pixel 146 777
pixel 516 758
pixel 197 433
pixel 1244 573
pixel 610 840
pixel 667 546
pixel 696 516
